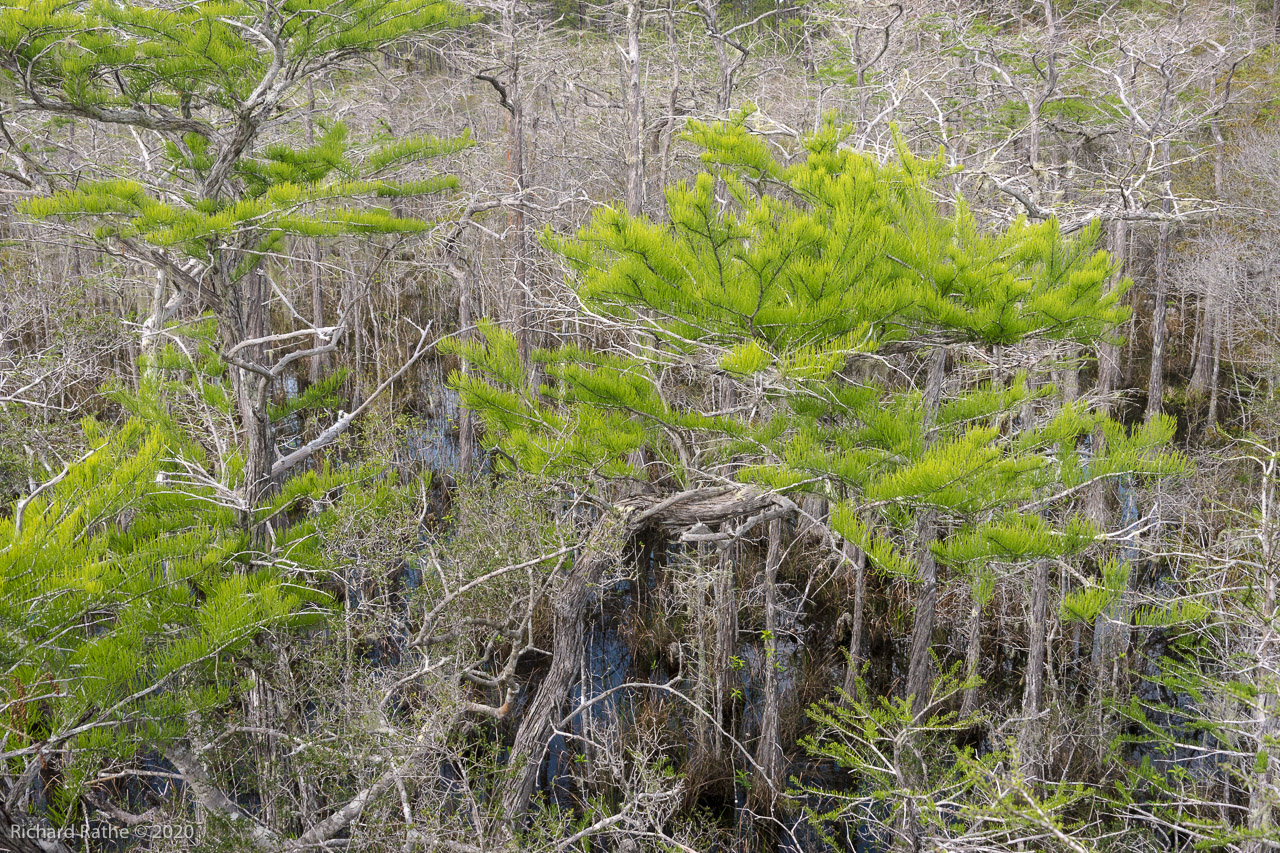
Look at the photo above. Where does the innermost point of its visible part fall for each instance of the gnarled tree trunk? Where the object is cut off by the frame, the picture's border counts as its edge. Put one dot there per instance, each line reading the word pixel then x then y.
pixel 569 632
pixel 695 508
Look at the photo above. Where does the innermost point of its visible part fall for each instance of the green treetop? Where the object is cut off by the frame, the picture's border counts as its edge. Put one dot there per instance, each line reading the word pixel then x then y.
pixel 802 294
pixel 216 84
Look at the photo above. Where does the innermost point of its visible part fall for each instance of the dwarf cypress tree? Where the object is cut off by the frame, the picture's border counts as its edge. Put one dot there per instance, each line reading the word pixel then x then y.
pixel 129 584
pixel 788 330
pixel 216 82
pixel 130 591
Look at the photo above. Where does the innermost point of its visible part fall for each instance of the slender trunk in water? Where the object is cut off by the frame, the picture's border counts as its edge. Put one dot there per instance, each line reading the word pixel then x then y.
pixel 972 651
pixel 1262 785
pixel 769 750
pixel 725 612
pixel 1030 740
pixel 858 559
pixel 1159 321
pixel 919 669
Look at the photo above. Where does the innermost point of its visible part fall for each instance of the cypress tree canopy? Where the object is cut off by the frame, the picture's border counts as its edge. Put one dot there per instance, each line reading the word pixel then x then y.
pixel 773 335
pixel 215 80
pixel 128 584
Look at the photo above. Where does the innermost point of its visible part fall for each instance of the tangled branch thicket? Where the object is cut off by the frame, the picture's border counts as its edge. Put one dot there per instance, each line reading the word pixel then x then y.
pixel 701 426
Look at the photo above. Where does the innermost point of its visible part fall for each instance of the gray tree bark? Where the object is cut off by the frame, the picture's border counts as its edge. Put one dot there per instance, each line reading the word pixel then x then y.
pixel 568 637
pixel 20 833
pixel 919 671
pixel 1159 319
pixel 972 653
pixel 769 750
pixel 853 672
pixel 635 112
pixel 1031 743
pixel 725 615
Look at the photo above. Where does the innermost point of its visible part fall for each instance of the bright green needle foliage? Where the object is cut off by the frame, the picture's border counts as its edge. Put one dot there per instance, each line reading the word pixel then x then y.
pixel 312 192
pixel 129 586
pixel 835 255
pixel 106 56
pixel 775 322
pixel 120 593
pixel 208 76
